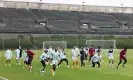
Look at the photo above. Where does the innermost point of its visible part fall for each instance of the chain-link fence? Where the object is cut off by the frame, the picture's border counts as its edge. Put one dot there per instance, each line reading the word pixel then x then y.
pixel 35 41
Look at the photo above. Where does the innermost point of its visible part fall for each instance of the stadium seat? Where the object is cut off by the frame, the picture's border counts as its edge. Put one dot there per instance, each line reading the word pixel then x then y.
pixel 65 26
pixel 16 13
pixel 22 20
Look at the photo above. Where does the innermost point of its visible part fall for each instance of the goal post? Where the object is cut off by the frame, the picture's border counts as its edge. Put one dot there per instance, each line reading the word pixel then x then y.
pixel 105 44
pixel 54 44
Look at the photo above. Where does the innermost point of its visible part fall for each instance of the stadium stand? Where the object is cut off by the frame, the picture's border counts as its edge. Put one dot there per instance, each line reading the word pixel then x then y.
pixel 55 15
pixel 16 13
pixel 121 16
pixel 15 25
pixel 105 26
pixel 66 26
pixel 1 21
pixel 94 16
pixel 62 22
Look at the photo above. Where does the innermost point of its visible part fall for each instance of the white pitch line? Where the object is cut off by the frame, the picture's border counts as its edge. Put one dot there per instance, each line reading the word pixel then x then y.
pixel 3 78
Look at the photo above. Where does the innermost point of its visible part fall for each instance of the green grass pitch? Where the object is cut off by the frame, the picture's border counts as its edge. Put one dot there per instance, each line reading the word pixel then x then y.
pixel 63 73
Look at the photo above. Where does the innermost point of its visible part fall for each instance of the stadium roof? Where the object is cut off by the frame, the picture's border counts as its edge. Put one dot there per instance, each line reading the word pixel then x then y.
pixel 120 3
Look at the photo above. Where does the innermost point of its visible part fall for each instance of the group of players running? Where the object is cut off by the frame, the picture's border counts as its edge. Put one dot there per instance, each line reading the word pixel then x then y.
pixel 56 56
pixel 27 56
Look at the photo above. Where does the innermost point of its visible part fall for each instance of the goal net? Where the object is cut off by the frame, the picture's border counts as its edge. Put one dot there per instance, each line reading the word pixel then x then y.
pixel 54 44
pixel 105 44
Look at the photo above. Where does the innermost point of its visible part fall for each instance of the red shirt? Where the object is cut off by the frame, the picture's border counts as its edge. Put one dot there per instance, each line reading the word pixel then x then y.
pixel 30 53
pixel 123 52
pixel 91 51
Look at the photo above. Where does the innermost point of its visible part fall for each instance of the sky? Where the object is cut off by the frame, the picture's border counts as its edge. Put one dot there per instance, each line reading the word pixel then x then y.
pixel 126 3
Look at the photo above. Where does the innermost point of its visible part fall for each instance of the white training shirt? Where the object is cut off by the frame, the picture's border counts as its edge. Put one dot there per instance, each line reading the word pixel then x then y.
pixel 95 59
pixel 62 55
pixel 74 53
pixel 97 51
pixel 24 55
pixel 43 57
pixel 77 50
pixel 17 51
pixel 50 51
pixel 55 56
pixel 86 51
pixel 8 54
pixel 110 51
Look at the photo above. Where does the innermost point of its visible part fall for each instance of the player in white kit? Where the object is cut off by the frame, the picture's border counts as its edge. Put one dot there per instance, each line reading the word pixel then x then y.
pixel 95 60
pixel 86 49
pixel 17 51
pixel 111 57
pixel 50 51
pixel 49 54
pixel 75 54
pixel 55 60
pixel 8 56
pixel 44 60
pixel 63 58
pixel 98 53
pixel 25 58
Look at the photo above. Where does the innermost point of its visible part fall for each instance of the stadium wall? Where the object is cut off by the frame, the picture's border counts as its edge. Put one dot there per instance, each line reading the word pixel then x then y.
pixel 65 7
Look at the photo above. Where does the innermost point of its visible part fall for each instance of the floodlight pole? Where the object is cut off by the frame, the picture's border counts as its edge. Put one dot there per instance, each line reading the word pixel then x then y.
pixel 19 39
pixel 83 6
pixel 3 42
pixel 34 40
pixel 122 8
pixel 90 41
pixel 63 39
pixel 102 41
pixel 77 40
pixel 39 4
pixel 49 39
pixel 83 9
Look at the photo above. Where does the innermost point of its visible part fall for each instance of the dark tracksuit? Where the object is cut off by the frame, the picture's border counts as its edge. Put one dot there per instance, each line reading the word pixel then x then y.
pixel 82 57
pixel 43 62
pixel 20 55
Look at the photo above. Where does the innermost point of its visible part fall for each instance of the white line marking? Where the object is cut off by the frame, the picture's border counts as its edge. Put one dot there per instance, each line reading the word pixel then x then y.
pixel 3 78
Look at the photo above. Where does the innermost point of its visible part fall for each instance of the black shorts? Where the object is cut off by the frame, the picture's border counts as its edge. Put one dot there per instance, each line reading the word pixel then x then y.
pixel 26 62
pixel 43 63
pixel 20 55
pixel 82 59
pixel 30 61
pixel 86 56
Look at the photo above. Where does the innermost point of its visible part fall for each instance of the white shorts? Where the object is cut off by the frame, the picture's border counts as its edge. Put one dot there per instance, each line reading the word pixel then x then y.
pixel 49 56
pixel 26 59
pixel 96 54
pixel 8 58
pixel 17 57
pixel 54 62
pixel 110 56
pixel 100 57
pixel 74 58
